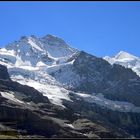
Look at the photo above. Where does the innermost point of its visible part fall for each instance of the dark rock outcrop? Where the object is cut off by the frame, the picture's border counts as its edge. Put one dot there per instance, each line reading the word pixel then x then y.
pixel 114 81
pixel 3 73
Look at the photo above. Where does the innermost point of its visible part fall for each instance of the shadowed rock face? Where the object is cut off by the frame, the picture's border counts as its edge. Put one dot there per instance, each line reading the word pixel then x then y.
pixel 95 75
pixel 3 73
pixel 114 81
pixel 117 123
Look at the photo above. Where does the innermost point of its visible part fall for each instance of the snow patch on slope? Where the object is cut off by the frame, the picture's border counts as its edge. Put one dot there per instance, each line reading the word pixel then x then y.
pixel 55 93
pixel 33 44
pixel 10 96
pixel 69 125
pixel 99 99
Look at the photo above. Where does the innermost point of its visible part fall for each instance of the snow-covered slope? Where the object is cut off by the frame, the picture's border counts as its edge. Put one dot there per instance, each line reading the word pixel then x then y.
pixel 127 60
pixel 31 59
pixel 113 105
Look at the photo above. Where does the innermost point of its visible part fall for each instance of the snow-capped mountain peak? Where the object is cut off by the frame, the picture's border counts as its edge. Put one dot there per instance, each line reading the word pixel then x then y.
pixel 123 55
pixel 56 46
pixel 54 40
pixel 48 49
pixel 52 45
pixel 125 59
pixel 30 61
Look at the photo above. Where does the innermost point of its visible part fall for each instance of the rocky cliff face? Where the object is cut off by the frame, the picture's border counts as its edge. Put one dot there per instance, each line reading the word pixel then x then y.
pixel 4 73
pixel 28 117
pixel 34 115
pixel 95 75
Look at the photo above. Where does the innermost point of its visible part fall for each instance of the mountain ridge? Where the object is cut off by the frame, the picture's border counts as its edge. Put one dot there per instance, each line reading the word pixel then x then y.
pixel 76 84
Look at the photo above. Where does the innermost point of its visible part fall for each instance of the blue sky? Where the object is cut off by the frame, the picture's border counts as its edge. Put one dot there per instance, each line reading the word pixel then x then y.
pixel 99 28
